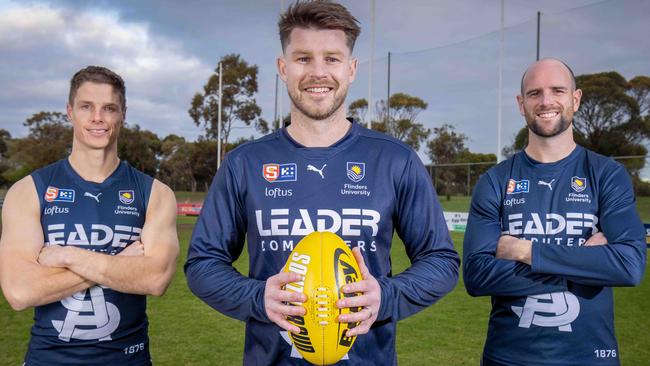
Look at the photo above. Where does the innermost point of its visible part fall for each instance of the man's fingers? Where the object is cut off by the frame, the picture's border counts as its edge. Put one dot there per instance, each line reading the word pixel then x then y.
pixel 596 239
pixel 283 278
pixel 284 309
pixel 134 249
pixel 359 316
pixel 360 286
pixel 355 301
pixel 361 262
pixel 284 324
pixel 360 329
pixel 289 296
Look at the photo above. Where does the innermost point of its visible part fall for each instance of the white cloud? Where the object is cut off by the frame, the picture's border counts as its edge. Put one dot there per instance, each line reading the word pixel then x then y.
pixel 45 45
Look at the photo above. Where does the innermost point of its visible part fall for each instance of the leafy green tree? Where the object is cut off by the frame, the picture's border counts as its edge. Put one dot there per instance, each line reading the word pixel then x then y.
pixel 609 120
pixel 49 139
pixel 238 102
pixel 204 158
pixel 481 164
pixel 5 136
pixel 446 147
pixel 358 109
pixel 402 124
pixel 5 140
pixel 639 89
pixel 519 143
pixel 176 165
pixel 446 144
pixel 140 148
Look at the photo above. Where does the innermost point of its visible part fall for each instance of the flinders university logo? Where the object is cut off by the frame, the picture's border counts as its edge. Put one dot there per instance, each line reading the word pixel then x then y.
pixel 87 319
pixel 356 171
pixel 54 194
pixel 126 197
pixel 557 309
pixel 578 184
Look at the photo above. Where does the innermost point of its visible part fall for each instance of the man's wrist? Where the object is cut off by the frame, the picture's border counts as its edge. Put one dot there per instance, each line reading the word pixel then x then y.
pixel 68 256
pixel 525 251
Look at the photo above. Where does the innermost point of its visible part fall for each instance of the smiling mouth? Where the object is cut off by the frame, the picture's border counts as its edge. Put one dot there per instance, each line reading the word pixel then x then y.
pixel 318 89
pixel 97 131
pixel 547 115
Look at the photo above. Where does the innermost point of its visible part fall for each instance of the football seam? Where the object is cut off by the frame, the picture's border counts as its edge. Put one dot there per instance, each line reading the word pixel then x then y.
pixel 322 274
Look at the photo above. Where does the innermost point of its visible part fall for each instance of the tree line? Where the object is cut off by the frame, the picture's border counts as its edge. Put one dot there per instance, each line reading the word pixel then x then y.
pixel 614 120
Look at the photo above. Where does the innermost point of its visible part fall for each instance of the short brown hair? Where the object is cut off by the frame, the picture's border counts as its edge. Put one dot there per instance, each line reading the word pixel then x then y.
pixel 319 14
pixel 100 75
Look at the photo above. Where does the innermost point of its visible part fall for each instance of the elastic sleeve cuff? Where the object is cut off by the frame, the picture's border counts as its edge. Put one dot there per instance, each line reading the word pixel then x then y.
pixel 387 301
pixel 258 308
pixel 535 257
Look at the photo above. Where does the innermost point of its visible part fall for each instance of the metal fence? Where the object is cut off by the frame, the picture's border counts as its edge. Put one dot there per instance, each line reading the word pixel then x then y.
pixel 460 178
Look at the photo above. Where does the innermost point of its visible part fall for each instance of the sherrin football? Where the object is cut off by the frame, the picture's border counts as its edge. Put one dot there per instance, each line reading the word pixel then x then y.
pixel 326 263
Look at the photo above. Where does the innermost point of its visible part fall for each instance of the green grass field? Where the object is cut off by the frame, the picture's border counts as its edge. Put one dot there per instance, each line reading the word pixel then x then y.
pixel 185 331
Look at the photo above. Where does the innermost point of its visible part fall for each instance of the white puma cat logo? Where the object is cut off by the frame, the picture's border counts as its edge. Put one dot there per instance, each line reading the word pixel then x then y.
pixel 96 197
pixel 312 168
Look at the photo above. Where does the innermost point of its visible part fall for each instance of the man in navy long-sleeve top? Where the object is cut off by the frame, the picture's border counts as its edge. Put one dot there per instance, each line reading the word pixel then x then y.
pixel 321 173
pixel 551 231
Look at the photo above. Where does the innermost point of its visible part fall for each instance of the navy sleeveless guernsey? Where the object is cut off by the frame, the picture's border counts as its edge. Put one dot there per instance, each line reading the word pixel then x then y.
pixel 97 326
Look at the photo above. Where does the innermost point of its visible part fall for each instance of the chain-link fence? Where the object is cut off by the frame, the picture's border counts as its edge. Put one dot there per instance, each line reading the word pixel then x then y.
pixel 460 178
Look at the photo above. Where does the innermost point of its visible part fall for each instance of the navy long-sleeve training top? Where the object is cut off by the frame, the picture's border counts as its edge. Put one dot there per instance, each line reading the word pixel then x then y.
pixel 559 310
pixel 273 191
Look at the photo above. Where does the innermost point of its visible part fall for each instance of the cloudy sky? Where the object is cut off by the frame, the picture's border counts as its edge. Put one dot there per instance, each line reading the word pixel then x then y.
pixel 445 52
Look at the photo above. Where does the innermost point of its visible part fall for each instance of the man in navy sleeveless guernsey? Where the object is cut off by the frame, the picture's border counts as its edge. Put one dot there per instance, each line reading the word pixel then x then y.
pixel 550 232
pixel 321 173
pixel 86 238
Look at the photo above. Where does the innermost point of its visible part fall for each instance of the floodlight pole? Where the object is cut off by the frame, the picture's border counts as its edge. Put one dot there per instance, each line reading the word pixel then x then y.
pixel 219 116
pixel 500 91
pixel 372 55
pixel 539 21
pixel 276 123
pixel 281 89
pixel 388 94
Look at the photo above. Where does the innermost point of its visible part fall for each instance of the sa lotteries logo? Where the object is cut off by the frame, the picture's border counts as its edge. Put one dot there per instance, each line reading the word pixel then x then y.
pixel 54 194
pixel 518 186
pixel 578 184
pixel 280 172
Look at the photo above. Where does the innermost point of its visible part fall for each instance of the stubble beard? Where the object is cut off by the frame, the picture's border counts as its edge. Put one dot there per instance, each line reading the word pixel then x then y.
pixel 314 114
pixel 563 124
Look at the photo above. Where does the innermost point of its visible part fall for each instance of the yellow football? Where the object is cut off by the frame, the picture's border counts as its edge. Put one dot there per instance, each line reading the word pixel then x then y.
pixel 326 263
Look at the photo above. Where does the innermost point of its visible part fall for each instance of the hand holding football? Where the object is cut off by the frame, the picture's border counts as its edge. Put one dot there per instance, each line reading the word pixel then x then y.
pixel 326 264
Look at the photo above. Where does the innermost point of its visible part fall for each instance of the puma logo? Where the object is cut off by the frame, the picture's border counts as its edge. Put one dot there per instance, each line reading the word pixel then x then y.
pixel 548 184
pixel 312 168
pixel 95 197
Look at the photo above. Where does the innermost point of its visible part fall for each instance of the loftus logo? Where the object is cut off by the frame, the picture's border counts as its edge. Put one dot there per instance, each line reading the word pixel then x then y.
pixel 280 172
pixel 54 210
pixel 517 186
pixel 54 194
pixel 578 184
pixel 126 197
